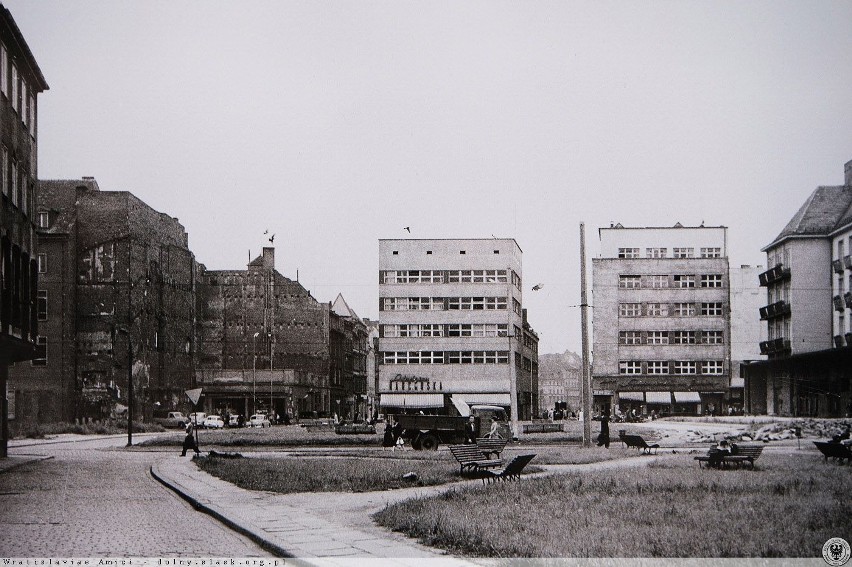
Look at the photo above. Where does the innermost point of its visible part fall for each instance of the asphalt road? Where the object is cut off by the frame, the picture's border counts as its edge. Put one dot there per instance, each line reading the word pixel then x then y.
pixel 94 499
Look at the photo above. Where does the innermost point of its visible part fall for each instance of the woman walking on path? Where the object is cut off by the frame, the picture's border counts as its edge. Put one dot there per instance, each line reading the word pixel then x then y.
pixel 603 438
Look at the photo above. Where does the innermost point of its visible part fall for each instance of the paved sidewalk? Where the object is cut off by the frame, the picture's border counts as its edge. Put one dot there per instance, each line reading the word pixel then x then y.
pixel 330 529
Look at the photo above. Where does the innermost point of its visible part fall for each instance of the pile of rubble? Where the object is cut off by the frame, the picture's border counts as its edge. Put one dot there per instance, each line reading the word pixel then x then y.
pixel 775 431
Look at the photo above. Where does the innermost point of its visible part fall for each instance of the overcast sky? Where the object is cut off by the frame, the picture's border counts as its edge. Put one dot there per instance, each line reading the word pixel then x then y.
pixel 334 124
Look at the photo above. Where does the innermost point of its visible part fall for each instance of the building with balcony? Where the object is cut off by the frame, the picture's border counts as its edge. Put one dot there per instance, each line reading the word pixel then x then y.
pixel 452 326
pixel 808 311
pixel 21 81
pixel 266 344
pixel 662 320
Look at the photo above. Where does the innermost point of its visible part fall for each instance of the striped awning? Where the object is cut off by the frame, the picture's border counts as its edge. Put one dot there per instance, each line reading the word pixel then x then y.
pixel 632 396
pixel 658 397
pixel 486 399
pixel 687 398
pixel 412 400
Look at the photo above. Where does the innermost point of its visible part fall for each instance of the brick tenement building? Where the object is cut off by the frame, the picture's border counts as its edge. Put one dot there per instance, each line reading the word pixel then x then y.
pixel 267 343
pixel 116 294
pixel 21 81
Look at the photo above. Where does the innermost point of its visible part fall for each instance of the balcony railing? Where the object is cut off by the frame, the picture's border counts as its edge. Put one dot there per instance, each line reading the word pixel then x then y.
pixel 847 261
pixel 775 346
pixel 839 305
pixel 837 266
pixel 838 341
pixel 774 274
pixel 777 309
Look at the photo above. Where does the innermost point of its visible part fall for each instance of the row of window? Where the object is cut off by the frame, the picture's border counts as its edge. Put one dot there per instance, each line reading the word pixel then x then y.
pixel 670 337
pixel 441 276
pixel 442 303
pixel 446 357
pixel 660 281
pixel 709 252
pixel 15 88
pixel 677 367
pixel 705 308
pixel 449 330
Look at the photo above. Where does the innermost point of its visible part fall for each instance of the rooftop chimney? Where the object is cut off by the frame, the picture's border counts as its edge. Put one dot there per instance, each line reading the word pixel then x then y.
pixel 848 171
pixel 269 257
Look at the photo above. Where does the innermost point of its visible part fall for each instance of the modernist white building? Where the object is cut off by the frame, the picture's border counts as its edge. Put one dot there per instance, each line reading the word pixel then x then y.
pixel 661 329
pixel 451 325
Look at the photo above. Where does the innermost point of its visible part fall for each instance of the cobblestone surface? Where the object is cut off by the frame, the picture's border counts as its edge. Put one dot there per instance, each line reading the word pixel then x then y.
pixel 92 500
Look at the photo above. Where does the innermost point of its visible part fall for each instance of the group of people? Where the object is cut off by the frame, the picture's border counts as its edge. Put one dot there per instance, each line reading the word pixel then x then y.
pixel 393 436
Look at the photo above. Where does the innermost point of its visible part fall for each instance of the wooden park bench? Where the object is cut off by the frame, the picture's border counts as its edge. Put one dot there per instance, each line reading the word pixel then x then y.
pixel 739 456
pixel 512 471
pixel 837 451
pixel 490 446
pixel 471 458
pixel 637 442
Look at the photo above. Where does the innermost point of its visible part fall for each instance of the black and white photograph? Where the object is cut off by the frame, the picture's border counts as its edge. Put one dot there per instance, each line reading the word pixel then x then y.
pixel 451 284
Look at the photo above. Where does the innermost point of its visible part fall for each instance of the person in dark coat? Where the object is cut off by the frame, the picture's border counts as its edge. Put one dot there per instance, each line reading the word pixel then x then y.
pixel 388 439
pixel 470 430
pixel 189 441
pixel 603 438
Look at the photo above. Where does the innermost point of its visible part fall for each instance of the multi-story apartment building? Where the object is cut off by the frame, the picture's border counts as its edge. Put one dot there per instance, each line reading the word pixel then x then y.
pixel 267 344
pixel 115 298
pixel 559 383
pixel 662 329
pixel 21 81
pixel 807 311
pixel 451 325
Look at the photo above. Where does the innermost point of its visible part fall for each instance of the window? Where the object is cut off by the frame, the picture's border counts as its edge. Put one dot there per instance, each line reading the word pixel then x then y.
pixel 15 100
pixel 13 189
pixel 476 303
pixel 628 252
pixel 629 337
pixel 712 337
pixel 683 337
pixel 629 309
pixel 685 367
pixel 477 330
pixel 712 367
pixel 684 309
pixel 684 280
pixel 683 252
pixel 658 367
pixel 711 280
pixel 711 252
pixel 40 352
pixel 43 219
pixel 41 305
pixel 477 276
pixel 42 263
pixel 630 367
pixel 713 309
pixel 629 282
pixel 658 337
pixel 4 65
pixel 658 310
pixel 4 175
pixel 25 198
pixel 656 252
pixel 24 99
pixel 32 119
pixel 657 281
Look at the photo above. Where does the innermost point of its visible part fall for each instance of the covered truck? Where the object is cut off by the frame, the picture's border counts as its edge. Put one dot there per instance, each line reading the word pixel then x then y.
pixel 429 431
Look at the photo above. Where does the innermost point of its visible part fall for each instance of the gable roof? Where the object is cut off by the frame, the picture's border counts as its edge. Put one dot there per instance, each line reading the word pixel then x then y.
pixel 342 308
pixel 825 210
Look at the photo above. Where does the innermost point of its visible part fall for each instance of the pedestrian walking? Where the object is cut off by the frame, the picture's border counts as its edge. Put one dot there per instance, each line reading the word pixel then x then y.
pixel 189 441
pixel 388 438
pixel 603 438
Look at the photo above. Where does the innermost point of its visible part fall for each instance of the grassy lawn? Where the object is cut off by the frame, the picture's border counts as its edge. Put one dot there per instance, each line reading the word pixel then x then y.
pixel 788 507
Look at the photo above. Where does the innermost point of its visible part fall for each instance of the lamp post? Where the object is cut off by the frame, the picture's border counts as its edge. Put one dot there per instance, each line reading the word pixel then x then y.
pixel 254 373
pixel 129 385
pixel 271 407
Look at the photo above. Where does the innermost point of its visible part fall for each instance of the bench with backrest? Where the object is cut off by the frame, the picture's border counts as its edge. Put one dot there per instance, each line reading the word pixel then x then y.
pixel 739 456
pixel 638 442
pixel 471 458
pixel 512 471
pixel 837 451
pixel 490 446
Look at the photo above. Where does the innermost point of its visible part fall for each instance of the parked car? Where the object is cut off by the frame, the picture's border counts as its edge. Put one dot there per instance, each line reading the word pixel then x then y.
pixel 197 418
pixel 214 422
pixel 259 420
pixel 234 420
pixel 171 419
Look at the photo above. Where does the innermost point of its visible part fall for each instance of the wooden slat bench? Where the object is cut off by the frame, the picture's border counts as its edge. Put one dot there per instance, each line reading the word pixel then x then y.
pixel 638 442
pixel 471 458
pixel 512 471
pixel 490 446
pixel 740 456
pixel 837 451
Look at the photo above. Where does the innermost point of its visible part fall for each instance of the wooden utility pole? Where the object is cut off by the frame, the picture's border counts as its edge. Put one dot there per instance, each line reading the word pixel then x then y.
pixel 586 386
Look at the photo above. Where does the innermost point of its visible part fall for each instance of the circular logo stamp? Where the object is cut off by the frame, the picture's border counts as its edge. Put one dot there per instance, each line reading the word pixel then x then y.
pixel 836 551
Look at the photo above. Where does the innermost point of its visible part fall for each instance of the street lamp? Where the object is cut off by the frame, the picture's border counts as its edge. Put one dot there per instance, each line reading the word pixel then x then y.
pixel 254 373
pixel 129 385
pixel 271 410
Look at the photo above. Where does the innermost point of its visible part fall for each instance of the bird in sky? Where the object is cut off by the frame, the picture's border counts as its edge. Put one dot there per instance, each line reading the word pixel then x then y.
pixel 408 228
pixel 537 287
pixel 266 231
pixel 271 238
